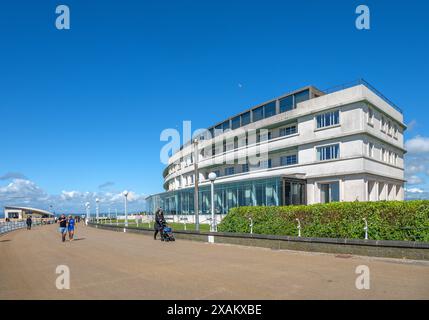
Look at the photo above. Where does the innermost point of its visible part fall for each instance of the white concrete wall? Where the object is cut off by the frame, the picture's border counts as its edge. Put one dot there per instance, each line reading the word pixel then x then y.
pixel 203 218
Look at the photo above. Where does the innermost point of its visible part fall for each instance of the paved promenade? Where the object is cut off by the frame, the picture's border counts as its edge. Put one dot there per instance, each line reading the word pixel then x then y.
pixel 111 265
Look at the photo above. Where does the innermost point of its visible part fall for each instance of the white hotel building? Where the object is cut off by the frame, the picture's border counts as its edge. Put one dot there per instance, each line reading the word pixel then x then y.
pixel 340 145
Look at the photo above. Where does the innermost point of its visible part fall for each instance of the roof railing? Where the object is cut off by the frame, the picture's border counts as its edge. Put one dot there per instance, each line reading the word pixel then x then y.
pixel 366 84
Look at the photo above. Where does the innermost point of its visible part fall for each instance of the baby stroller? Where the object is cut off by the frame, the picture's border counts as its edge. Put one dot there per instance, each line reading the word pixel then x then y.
pixel 167 233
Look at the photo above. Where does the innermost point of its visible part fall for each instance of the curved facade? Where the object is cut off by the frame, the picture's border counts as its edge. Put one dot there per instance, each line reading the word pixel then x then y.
pixel 13 212
pixel 304 147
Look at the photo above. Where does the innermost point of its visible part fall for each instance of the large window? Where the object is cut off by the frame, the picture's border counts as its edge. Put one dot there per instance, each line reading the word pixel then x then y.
pixel 262 192
pixel 235 123
pixel 287 131
pixel 330 192
pixel 245 118
pixel 286 104
pixel 270 109
pixel 290 102
pixel 328 152
pixel 302 96
pixel 258 114
pixel 229 171
pixel 328 119
pixel 225 125
pixel 288 160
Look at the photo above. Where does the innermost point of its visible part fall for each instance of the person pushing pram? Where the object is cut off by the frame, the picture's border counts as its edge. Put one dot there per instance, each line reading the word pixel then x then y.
pixel 161 227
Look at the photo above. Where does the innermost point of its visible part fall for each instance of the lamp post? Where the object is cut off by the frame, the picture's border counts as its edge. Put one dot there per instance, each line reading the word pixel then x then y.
pixel 125 193
pixel 196 202
pixel 97 212
pixel 88 212
pixel 212 177
pixel 298 227
pixel 365 228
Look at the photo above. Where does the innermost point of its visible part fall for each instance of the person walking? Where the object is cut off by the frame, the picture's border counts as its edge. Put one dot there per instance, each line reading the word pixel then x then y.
pixel 29 222
pixel 63 227
pixel 71 226
pixel 159 223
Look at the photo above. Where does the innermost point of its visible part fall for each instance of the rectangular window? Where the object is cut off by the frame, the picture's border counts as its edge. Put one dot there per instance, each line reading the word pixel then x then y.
pixel 229 171
pixel 383 123
pixel 395 131
pixel 265 164
pixel 263 135
pixel 330 192
pixel 270 109
pixel 328 119
pixel 301 96
pixel 245 167
pixel 258 114
pixel 235 123
pixel 245 118
pixel 288 160
pixel 328 152
pixel 287 131
pixel 286 104
pixel 217 172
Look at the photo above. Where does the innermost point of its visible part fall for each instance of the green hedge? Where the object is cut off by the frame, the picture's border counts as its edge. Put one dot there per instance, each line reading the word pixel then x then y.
pixel 387 220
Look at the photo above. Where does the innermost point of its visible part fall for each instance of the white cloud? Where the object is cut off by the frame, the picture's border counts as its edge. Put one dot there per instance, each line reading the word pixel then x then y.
pixel 21 188
pixel 27 193
pixel 417 145
pixel 416 194
pixel 414 190
pixel 70 195
pixel 412 169
pixel 414 180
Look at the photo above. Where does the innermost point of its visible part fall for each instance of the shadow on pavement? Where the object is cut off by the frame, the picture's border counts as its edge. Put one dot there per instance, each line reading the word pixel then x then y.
pixel 78 239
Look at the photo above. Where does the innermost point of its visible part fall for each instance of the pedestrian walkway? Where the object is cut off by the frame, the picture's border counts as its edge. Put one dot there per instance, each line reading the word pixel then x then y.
pixel 115 265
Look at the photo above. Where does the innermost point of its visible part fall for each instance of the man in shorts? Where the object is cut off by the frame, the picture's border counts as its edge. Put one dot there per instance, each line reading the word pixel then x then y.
pixel 71 226
pixel 63 227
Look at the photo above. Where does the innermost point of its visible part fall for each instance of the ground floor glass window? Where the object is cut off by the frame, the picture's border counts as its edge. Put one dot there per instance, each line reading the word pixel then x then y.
pixel 330 192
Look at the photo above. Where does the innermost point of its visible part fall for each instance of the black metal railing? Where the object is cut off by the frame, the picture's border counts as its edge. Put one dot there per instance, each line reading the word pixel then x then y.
pixel 366 84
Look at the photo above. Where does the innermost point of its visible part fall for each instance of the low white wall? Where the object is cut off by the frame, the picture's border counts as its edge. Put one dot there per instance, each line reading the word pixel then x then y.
pixel 204 219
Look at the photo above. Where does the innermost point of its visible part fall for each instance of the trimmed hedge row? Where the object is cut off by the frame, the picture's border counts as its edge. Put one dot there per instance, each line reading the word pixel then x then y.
pixel 387 220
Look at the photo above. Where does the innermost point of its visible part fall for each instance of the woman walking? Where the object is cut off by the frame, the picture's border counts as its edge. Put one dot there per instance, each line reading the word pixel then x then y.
pixel 71 225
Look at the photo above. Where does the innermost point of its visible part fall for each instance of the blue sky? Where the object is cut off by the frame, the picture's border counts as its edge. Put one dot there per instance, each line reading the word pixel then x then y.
pixel 82 109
